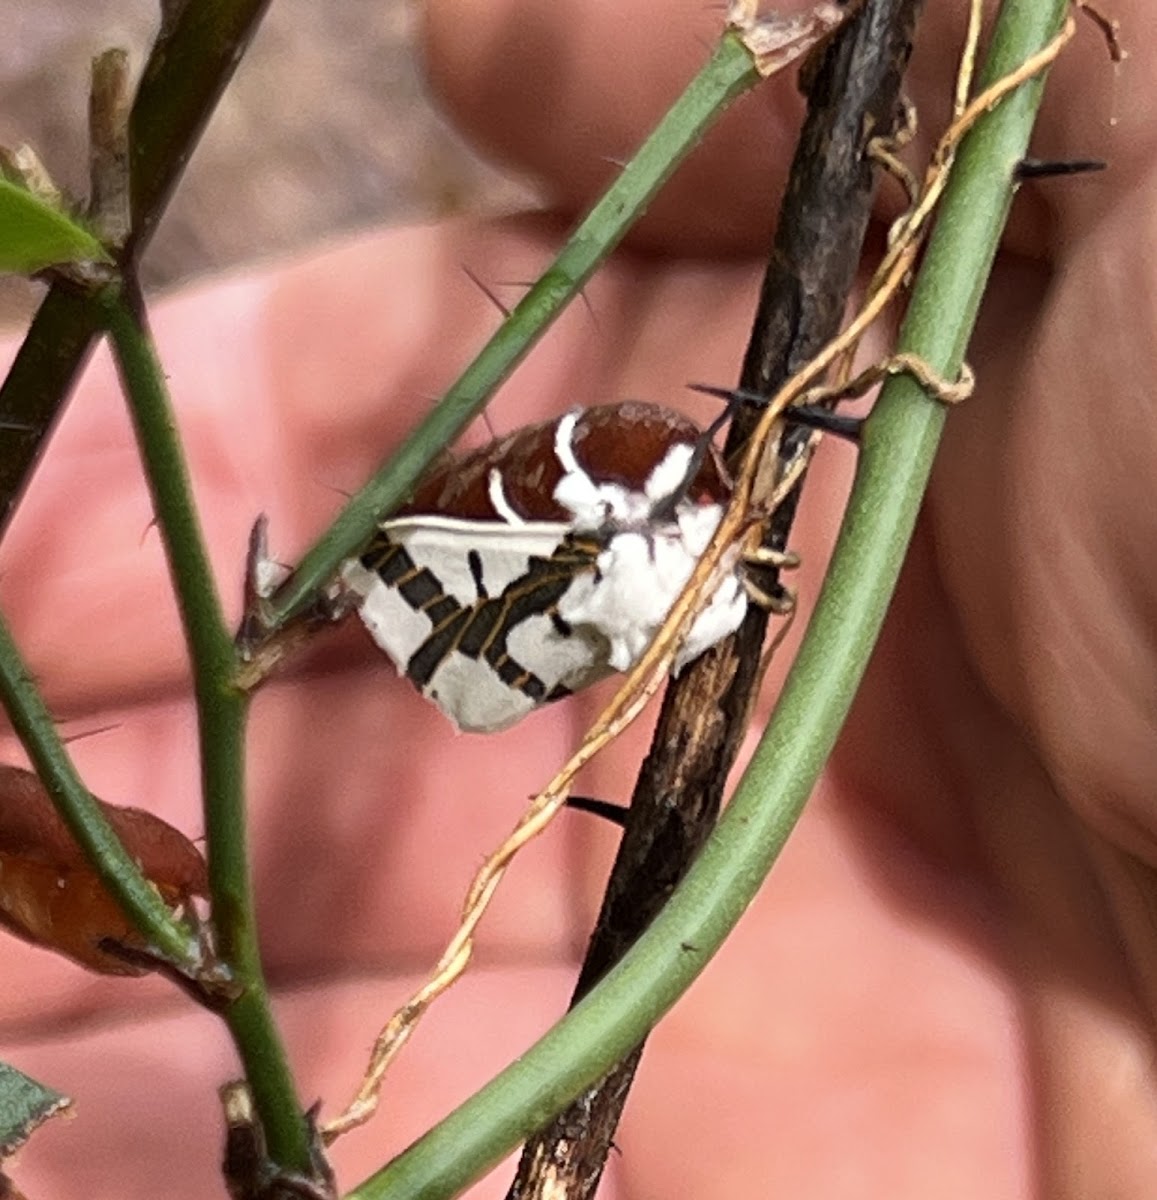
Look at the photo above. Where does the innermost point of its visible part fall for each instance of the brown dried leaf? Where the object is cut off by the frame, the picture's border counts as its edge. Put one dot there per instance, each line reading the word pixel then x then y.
pixel 50 896
pixel 8 1190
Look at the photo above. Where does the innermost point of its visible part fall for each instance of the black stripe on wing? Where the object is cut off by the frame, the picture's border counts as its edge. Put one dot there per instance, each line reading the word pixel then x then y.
pixel 481 630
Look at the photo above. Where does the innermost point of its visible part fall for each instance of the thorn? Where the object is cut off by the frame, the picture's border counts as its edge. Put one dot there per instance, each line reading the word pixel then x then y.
pixel 485 291
pixel 615 813
pixel 810 416
pixel 733 396
pixel 344 493
pixel 527 284
pixel 1110 29
pixel 589 306
pixel 87 733
pixel 263 575
pixel 1042 168
pixel 815 416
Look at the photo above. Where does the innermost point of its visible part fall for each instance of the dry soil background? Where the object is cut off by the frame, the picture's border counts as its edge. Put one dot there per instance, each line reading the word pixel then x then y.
pixel 325 127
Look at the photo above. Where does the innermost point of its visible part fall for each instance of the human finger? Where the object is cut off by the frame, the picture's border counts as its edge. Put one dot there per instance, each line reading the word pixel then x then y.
pixel 566 91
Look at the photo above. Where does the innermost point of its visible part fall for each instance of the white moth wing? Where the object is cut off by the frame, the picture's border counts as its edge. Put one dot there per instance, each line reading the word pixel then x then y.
pixel 533 660
pixel 469 692
pixel 572 661
pixel 393 624
pixel 443 544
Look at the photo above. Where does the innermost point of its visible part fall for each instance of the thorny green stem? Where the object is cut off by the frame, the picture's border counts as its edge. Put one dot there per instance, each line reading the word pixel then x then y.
pixel 221 711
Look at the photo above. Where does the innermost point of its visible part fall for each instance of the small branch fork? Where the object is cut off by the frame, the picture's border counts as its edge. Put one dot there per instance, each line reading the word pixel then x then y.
pixel 739 527
pixel 190 63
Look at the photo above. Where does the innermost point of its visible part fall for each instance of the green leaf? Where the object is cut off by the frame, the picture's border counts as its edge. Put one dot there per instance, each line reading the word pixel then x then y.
pixel 24 1104
pixel 34 235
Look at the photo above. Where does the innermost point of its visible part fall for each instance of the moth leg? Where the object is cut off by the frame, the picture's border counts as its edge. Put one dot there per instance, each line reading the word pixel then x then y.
pixel 777 640
pixel 767 556
pixel 770 595
pixel 335 604
pixel 762 565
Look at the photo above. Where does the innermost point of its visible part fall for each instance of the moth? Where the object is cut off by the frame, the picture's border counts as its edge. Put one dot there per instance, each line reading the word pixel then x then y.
pixel 545 561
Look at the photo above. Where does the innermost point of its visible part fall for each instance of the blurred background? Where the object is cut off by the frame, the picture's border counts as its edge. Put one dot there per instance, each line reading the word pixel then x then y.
pixel 326 127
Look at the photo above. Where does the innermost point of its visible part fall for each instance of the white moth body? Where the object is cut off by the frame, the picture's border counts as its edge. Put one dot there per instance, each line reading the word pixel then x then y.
pixel 492 610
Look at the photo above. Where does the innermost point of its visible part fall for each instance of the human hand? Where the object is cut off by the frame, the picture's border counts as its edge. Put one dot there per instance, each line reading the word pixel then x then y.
pixel 944 988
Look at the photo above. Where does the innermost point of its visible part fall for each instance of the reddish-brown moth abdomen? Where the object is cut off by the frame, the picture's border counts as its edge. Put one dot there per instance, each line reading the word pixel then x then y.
pixel 615 443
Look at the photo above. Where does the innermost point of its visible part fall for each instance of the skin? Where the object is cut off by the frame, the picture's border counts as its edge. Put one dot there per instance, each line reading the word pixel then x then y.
pixel 948 987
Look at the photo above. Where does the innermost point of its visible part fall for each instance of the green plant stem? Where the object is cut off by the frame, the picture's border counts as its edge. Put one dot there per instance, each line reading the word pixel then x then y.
pixel 221 712
pixel 894 466
pixel 192 60
pixel 118 871
pixel 727 75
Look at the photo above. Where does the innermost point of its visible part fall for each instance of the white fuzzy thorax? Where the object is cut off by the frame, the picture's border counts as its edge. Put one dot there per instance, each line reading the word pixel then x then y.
pixel 645 564
pixel 640 575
